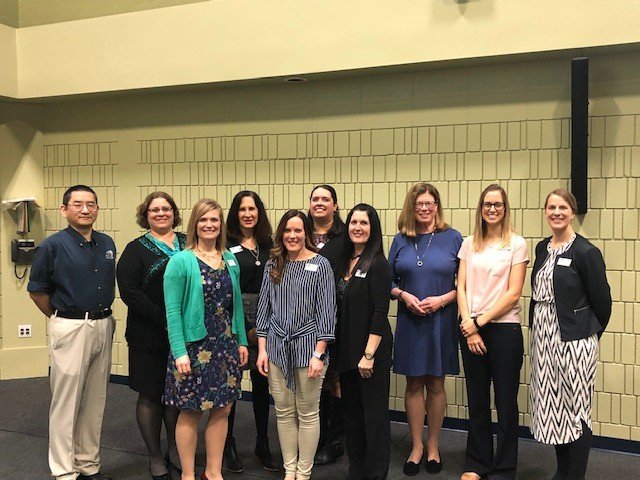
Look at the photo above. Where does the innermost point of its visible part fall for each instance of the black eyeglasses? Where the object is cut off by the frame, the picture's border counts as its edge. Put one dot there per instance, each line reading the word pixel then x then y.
pixel 499 206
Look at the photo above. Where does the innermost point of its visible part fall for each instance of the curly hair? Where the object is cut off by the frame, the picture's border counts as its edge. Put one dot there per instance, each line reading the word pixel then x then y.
pixel 142 210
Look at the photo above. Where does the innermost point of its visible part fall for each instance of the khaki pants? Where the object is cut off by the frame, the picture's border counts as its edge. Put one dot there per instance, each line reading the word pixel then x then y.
pixel 80 352
pixel 298 419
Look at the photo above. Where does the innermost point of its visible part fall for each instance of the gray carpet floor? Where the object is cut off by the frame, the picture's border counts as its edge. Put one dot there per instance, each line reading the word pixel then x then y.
pixel 23 443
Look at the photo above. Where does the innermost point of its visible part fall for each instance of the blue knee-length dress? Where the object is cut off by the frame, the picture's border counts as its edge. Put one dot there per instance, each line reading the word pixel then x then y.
pixel 426 345
pixel 215 375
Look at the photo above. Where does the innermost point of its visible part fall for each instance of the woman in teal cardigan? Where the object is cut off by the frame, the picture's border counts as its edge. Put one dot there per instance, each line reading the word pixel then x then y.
pixel 205 323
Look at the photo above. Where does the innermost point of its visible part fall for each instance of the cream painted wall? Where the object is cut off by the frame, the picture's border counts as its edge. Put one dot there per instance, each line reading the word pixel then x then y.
pixel 226 40
pixel 372 137
pixel 8 62
pixel 21 141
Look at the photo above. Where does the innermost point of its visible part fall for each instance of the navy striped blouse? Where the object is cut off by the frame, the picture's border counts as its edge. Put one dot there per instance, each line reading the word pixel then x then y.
pixel 296 313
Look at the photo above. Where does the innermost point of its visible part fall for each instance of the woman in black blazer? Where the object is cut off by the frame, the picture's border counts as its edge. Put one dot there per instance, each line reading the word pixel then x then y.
pixel 365 345
pixel 328 237
pixel 570 308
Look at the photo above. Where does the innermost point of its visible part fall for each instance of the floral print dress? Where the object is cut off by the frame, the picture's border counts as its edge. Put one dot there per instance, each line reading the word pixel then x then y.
pixel 215 375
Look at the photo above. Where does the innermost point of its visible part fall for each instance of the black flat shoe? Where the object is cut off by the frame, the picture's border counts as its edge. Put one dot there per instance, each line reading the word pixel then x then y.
pixel 411 469
pixel 433 467
pixel 164 476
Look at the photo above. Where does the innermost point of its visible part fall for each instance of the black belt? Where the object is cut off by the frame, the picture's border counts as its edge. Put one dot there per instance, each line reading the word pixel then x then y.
pixel 92 315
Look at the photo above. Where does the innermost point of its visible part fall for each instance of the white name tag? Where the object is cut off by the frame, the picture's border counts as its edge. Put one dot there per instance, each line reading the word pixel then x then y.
pixel 320 245
pixel 361 274
pixel 311 267
pixel 564 262
pixel 231 263
pixel 236 249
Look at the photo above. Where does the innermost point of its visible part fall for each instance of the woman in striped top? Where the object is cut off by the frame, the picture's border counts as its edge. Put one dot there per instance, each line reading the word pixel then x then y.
pixel 295 321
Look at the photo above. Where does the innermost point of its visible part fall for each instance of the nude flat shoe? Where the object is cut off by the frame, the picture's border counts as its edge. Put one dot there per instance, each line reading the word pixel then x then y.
pixel 470 476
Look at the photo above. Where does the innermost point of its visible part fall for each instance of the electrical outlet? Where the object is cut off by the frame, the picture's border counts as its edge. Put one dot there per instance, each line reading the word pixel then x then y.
pixel 24 331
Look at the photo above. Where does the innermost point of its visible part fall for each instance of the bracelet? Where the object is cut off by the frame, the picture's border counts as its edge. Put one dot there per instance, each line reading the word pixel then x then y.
pixel 442 303
pixel 400 295
pixel 475 322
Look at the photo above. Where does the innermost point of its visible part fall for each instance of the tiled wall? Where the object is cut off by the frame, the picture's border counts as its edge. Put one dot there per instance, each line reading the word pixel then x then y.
pixel 372 139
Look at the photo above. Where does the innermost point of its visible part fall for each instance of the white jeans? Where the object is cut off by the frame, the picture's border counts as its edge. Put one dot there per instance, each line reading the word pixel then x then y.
pixel 298 419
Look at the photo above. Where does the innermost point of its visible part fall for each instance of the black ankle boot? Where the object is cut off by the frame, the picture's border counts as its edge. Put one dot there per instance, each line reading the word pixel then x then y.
pixel 263 453
pixel 331 452
pixel 230 457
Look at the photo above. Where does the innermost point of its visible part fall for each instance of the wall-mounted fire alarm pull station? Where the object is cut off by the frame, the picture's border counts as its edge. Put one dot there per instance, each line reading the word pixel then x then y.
pixel 23 251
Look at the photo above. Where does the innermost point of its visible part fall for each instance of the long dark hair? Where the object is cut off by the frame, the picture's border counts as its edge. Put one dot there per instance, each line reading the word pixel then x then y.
pixel 372 249
pixel 338 225
pixel 278 255
pixel 262 231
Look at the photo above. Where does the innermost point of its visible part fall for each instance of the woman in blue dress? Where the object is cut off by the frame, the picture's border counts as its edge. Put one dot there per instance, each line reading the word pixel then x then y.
pixel 423 258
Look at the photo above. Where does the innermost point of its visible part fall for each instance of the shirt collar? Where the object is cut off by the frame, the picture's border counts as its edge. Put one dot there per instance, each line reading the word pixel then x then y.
pixel 78 237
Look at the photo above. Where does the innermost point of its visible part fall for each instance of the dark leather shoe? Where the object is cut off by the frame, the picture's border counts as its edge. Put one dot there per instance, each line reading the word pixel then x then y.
pixel 95 476
pixel 411 469
pixel 331 452
pixel 164 476
pixel 230 458
pixel 263 453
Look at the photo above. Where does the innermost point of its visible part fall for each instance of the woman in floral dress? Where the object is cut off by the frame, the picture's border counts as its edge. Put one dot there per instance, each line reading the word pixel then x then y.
pixel 206 335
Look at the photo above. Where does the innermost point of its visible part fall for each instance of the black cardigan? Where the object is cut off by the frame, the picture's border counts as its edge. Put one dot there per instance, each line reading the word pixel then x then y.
pixel 582 293
pixel 365 309
pixel 140 276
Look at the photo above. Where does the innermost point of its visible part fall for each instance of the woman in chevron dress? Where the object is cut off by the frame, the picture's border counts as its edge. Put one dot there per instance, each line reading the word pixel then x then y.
pixel 570 308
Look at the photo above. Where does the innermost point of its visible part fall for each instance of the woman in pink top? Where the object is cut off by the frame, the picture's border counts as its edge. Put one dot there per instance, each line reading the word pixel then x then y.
pixel 493 263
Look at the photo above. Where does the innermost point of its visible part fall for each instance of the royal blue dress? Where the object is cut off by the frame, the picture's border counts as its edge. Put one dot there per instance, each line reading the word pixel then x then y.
pixel 426 345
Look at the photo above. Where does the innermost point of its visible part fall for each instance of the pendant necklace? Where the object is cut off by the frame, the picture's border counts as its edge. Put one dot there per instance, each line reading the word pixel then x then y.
pixel 419 258
pixel 256 255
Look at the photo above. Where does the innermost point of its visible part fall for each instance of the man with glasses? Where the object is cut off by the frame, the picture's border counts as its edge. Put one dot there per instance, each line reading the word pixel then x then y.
pixel 72 282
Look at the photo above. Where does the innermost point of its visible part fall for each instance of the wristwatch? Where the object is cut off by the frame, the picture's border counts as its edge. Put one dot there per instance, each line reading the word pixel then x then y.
pixel 319 356
pixel 369 356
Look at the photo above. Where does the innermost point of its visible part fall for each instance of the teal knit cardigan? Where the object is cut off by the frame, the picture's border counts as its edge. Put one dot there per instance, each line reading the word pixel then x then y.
pixel 184 301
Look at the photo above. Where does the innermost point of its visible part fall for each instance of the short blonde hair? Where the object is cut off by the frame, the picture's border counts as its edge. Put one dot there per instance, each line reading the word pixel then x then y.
pixel 407 218
pixel 200 209
pixel 480 231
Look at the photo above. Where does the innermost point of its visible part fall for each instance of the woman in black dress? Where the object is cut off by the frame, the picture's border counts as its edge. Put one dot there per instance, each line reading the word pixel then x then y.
pixel 140 279
pixel 328 237
pixel 249 239
pixel 364 282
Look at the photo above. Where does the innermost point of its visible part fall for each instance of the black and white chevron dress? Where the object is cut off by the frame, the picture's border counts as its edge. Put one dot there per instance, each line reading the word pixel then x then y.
pixel 562 373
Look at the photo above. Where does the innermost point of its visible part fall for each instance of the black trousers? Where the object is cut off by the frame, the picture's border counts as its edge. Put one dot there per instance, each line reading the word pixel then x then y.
pixel 501 364
pixel 261 399
pixel 365 408
pixel 573 457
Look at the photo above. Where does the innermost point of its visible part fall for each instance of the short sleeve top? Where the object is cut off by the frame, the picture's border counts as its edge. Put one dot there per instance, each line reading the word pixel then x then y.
pixel 488 272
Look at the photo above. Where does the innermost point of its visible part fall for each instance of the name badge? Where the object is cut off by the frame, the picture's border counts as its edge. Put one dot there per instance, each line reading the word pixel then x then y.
pixel 360 274
pixel 320 245
pixel 231 263
pixel 564 262
pixel 236 249
pixel 311 267
pixel 109 255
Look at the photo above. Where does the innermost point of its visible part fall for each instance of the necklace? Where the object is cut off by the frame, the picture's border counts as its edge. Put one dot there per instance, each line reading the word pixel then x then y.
pixel 208 255
pixel 419 258
pixel 256 255
pixel 356 256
